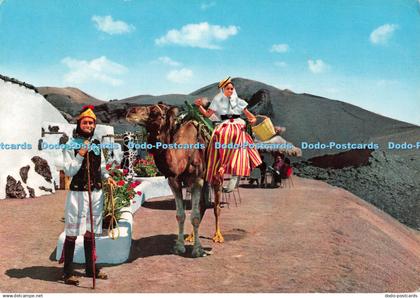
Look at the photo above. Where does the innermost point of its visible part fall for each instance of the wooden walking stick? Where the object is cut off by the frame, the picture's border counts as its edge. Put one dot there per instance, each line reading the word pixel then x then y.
pixel 91 219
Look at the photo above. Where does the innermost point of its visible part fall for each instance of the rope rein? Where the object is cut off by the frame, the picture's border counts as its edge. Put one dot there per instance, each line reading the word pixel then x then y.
pixel 160 110
pixel 113 221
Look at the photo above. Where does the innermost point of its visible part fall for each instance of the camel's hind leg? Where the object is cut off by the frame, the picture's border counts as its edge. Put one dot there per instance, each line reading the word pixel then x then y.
pixel 196 217
pixel 218 237
pixel 176 188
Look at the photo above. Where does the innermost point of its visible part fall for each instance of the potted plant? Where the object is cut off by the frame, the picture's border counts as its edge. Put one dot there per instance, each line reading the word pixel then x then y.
pixel 118 197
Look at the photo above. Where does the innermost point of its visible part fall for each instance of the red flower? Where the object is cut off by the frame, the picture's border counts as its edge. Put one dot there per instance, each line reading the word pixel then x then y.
pixel 121 183
pixel 125 171
pixel 108 167
pixel 139 193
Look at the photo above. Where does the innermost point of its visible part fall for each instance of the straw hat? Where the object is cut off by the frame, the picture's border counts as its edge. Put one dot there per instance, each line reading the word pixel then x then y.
pixel 224 82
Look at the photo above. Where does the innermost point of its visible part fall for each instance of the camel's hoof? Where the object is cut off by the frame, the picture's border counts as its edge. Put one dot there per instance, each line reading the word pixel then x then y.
pixel 190 238
pixel 198 252
pixel 218 238
pixel 179 248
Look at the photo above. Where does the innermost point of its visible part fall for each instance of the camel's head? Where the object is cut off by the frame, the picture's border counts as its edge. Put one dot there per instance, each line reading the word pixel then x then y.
pixel 156 118
pixel 138 115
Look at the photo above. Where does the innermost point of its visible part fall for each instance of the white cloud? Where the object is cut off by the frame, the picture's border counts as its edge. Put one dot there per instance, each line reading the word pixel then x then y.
pixel 108 25
pixel 168 61
pixel 386 83
pixel 180 76
pixel 280 63
pixel 207 5
pixel 332 91
pixel 100 69
pixel 279 48
pixel 317 66
pixel 382 34
pixel 202 35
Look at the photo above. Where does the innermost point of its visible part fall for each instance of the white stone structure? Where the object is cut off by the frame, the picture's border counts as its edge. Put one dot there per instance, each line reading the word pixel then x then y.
pixel 22 112
pixel 26 120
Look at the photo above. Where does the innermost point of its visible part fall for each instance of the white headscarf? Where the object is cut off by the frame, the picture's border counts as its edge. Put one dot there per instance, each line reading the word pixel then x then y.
pixel 222 105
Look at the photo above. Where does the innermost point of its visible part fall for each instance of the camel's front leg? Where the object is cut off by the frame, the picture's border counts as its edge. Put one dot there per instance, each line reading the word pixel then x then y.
pixel 196 218
pixel 205 201
pixel 176 188
pixel 218 237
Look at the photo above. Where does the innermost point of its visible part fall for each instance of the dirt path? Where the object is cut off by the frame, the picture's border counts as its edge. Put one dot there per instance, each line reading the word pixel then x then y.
pixel 311 238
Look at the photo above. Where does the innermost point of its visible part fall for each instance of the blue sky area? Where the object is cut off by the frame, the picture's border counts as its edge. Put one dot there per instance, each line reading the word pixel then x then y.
pixel 363 52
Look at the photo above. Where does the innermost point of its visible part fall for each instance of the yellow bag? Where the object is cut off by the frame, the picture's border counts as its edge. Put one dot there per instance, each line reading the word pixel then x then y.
pixel 264 130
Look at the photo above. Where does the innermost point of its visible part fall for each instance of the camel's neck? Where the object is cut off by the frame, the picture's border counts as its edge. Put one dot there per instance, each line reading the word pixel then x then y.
pixel 156 136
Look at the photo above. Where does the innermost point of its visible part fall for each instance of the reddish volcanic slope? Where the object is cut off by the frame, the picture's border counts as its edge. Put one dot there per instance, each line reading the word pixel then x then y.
pixel 74 94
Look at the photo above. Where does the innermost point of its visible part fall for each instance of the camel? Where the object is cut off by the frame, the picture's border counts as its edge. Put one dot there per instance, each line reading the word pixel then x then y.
pixel 186 165
pixel 180 166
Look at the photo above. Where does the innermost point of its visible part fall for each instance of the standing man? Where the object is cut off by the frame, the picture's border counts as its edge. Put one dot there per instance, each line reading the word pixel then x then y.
pixel 77 213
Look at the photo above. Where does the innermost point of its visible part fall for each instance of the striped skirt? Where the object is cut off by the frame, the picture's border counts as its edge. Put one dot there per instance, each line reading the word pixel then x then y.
pixel 229 148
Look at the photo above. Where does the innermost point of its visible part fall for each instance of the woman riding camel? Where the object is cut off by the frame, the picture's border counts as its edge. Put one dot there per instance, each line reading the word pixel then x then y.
pixel 229 150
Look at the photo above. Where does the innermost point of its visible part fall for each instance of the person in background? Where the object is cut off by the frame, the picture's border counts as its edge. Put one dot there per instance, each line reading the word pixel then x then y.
pixel 286 170
pixel 277 170
pixel 255 176
pixel 263 169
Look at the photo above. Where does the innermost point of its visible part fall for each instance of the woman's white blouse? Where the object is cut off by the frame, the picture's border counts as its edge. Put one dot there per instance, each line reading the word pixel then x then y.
pixel 222 105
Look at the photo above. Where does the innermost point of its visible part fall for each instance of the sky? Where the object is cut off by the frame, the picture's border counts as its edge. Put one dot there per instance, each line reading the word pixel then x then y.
pixel 364 52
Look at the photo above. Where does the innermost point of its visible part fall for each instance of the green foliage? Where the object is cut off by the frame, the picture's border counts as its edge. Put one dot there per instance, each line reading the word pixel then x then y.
pixel 146 167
